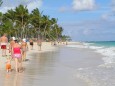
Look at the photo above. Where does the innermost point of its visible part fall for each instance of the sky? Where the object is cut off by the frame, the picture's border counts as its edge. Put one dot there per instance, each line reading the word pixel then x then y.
pixel 82 20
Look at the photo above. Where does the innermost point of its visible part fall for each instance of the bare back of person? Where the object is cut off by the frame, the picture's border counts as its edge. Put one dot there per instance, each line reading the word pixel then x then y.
pixel 16 45
pixel 24 46
pixel 3 43
pixel 39 43
pixel 4 39
pixel 31 42
pixel 11 44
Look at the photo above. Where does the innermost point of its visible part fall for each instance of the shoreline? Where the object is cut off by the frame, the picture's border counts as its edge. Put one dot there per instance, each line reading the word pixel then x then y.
pixel 48 65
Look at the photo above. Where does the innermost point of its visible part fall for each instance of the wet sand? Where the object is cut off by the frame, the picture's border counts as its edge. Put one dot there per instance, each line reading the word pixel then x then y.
pixel 54 68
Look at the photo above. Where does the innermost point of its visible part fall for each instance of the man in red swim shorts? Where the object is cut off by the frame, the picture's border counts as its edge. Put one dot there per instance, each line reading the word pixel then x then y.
pixel 3 46
pixel 3 43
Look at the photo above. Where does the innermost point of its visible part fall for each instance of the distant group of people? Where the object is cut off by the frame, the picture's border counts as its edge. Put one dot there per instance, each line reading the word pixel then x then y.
pixel 17 51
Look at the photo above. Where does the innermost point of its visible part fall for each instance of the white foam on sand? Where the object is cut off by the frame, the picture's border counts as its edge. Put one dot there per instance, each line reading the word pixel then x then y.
pixel 108 53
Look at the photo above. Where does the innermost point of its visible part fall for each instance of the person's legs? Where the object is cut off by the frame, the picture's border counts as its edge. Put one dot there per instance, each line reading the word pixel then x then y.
pixel 3 47
pixel 32 47
pixel 25 55
pixel 20 62
pixel 22 55
pixel 3 52
pixel 20 65
pixel 12 56
pixel 40 47
pixel 16 64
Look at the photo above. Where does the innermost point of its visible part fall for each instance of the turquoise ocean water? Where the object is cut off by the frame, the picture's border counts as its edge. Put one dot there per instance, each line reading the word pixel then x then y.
pixel 103 43
pixel 101 75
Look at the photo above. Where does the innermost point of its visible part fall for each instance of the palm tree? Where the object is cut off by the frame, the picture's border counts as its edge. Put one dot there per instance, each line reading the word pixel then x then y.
pixel 10 16
pixel 7 27
pixel 59 31
pixel 22 18
pixel 56 29
pixel 35 20
pixel 46 24
pixel 1 15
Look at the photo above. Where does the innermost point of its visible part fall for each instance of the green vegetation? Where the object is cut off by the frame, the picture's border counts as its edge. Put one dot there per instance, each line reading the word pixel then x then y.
pixel 20 23
pixel 1 2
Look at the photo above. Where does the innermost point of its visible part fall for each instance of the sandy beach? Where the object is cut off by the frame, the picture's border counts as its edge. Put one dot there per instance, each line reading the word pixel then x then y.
pixel 52 66
pixel 70 42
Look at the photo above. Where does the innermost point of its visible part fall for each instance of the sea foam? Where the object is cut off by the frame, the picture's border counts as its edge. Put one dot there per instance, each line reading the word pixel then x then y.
pixel 107 52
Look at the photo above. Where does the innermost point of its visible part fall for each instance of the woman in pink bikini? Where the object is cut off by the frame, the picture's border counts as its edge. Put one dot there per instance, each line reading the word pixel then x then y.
pixel 16 49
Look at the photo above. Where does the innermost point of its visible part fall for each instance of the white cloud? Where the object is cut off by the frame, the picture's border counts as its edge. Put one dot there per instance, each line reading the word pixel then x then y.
pixel 80 5
pixel 4 9
pixel 31 4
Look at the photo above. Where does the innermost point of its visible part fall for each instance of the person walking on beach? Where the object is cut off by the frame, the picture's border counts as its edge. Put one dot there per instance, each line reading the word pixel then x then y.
pixel 39 43
pixel 17 54
pixel 24 48
pixel 12 42
pixel 3 43
pixel 31 44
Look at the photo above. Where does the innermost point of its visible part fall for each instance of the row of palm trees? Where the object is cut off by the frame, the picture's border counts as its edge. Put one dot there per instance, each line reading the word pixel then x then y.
pixel 19 22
